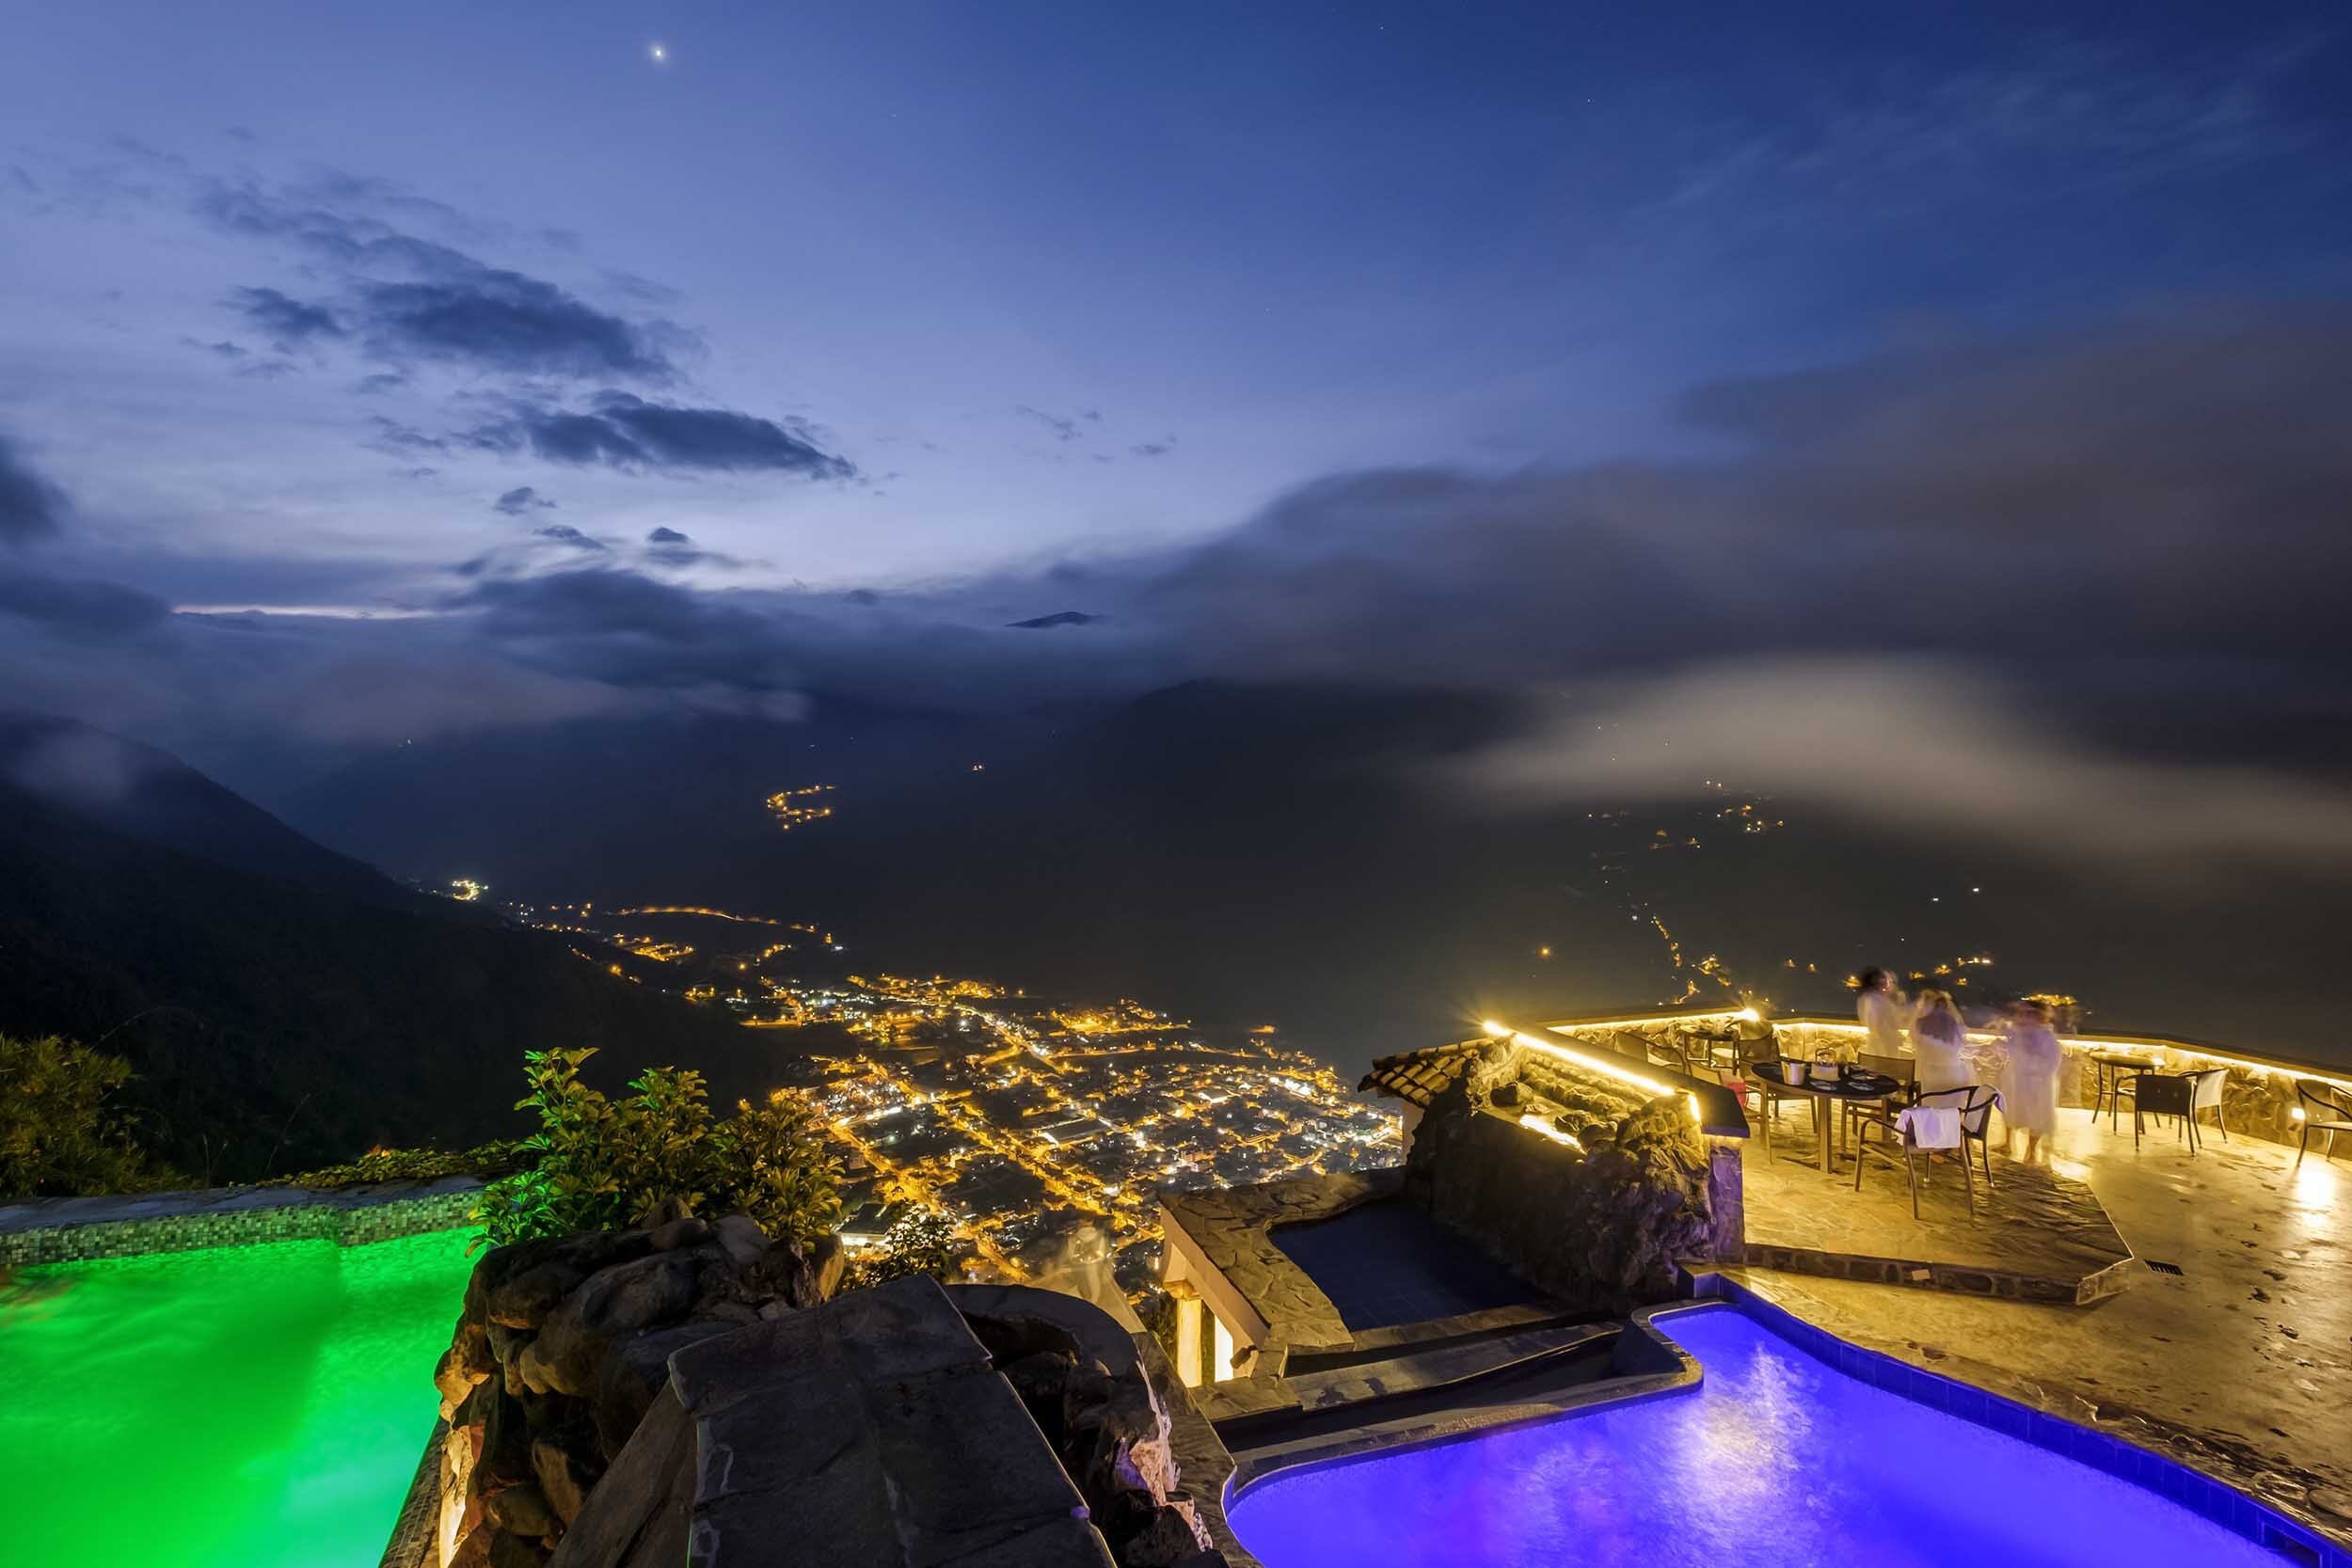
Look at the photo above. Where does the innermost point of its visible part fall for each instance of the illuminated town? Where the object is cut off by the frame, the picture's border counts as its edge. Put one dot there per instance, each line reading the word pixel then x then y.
pixel 797 808
pixel 1023 1120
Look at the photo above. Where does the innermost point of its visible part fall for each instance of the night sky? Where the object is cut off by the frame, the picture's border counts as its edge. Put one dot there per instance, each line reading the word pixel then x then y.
pixel 1944 413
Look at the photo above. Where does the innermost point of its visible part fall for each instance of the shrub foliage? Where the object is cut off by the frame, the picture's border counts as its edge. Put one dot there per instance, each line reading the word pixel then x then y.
pixel 599 1164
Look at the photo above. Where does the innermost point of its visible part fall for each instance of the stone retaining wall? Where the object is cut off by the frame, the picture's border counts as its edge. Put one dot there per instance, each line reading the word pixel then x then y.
pixel 62 1231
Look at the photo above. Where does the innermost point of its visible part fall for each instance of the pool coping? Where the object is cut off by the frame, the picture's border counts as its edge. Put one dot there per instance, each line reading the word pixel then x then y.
pixel 2245 1516
pixel 1674 1369
pixel 81 1230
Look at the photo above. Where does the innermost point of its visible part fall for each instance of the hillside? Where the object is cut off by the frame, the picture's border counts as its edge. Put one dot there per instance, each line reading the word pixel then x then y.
pixel 276 1023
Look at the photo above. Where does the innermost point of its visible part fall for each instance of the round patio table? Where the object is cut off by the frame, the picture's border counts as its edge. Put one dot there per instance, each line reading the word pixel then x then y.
pixel 1852 1088
pixel 2108 1088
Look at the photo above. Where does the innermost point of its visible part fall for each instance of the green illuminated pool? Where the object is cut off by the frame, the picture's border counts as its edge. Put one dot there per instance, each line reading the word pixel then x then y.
pixel 261 1406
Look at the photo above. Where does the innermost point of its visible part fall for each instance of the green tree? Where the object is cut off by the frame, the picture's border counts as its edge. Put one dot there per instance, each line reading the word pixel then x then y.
pixel 923 1243
pixel 58 1135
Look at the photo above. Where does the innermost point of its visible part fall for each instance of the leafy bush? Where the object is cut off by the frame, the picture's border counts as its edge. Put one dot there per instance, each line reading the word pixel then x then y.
pixel 597 1163
pixel 920 1244
pixel 58 1137
pixel 409 1165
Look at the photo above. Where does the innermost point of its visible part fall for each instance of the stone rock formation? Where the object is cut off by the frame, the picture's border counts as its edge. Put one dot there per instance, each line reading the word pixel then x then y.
pixel 609 1396
pixel 560 1347
pixel 1598 1222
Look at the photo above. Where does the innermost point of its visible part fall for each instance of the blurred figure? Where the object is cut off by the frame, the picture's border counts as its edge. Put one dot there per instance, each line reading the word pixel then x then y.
pixel 2029 1096
pixel 1883 1013
pixel 1940 1041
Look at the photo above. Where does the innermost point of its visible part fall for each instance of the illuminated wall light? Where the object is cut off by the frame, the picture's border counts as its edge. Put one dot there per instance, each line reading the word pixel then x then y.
pixel 1543 1125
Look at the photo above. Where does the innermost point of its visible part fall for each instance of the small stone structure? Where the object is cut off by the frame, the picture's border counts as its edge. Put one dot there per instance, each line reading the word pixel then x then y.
pixel 71 1229
pixel 687 1389
pixel 1590 1190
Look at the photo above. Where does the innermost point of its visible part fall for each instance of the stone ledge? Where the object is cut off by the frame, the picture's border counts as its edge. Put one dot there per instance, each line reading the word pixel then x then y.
pixel 869 1430
pixel 73 1229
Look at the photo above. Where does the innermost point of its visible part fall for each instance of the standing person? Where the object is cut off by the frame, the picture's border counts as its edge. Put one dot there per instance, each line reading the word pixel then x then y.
pixel 2029 1098
pixel 1940 1040
pixel 1883 1013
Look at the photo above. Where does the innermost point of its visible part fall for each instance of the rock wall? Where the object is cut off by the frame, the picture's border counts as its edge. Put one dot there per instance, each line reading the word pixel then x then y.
pixel 608 1398
pixel 1081 1380
pixel 1601 1225
pixel 561 1346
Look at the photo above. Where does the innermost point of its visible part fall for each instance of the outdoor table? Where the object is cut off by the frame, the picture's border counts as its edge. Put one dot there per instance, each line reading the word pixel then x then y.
pixel 1852 1088
pixel 2108 1087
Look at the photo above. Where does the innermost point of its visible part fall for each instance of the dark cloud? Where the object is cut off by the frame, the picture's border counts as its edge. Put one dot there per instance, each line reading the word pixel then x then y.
pixel 667 547
pixel 2152 494
pixel 505 321
pixel 625 431
pixel 30 506
pixel 627 629
pixel 563 534
pixel 78 608
pixel 381 381
pixel 413 298
pixel 1154 449
pixel 1063 427
pixel 521 501
pixel 398 438
pixel 285 321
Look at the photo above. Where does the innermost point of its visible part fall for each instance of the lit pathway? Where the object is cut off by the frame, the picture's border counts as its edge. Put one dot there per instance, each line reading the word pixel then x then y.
pixel 2242 1363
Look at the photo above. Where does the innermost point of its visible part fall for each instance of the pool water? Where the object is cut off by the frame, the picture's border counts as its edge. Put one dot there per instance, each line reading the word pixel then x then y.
pixel 1775 1458
pixel 261 1406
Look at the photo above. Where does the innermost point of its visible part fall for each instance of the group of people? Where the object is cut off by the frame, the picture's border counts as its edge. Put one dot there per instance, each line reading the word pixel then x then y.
pixel 1929 1029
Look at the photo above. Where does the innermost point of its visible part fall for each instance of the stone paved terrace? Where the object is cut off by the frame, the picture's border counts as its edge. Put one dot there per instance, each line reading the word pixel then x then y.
pixel 2241 1365
pixel 2035 1235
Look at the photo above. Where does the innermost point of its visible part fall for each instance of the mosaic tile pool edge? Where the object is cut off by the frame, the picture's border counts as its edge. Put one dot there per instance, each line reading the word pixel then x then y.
pixel 2225 1505
pixel 343 1222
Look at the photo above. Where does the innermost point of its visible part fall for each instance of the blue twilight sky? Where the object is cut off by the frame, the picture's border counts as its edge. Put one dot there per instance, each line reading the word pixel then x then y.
pixel 835 336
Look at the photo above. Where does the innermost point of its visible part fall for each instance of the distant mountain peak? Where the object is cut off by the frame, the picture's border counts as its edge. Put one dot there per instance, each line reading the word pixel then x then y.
pixel 1061 618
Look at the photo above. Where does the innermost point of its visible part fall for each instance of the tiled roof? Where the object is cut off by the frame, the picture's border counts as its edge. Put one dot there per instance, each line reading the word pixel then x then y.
pixel 1417 1076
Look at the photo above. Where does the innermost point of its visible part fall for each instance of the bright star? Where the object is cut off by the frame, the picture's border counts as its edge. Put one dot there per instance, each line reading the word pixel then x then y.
pixel 659 53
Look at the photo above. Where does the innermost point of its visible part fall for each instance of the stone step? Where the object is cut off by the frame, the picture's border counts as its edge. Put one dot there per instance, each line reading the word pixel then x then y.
pixel 1442 1366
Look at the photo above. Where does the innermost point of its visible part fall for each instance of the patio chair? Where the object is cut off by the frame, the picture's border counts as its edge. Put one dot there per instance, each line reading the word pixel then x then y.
pixel 1903 1070
pixel 1768 1095
pixel 2326 1109
pixel 2210 1083
pixel 1976 1104
pixel 1901 1130
pixel 2164 1094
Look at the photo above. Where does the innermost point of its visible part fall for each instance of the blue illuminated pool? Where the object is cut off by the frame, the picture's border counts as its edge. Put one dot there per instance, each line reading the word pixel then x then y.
pixel 1774 1458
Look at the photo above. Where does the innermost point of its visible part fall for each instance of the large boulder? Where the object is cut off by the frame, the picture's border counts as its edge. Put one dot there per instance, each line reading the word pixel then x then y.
pixel 568 1356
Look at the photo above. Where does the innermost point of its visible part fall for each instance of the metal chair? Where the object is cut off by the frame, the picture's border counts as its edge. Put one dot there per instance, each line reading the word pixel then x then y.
pixel 1974 1105
pixel 2210 1083
pixel 1768 1095
pixel 2326 1109
pixel 2164 1094
pixel 1903 1070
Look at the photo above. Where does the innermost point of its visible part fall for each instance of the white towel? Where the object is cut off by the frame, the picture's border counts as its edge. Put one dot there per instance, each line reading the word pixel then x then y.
pixel 1929 1126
